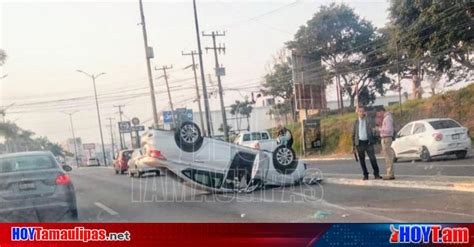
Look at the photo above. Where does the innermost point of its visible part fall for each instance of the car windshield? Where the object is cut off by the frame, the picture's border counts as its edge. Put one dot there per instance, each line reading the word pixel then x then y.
pixel 26 163
pixel 444 124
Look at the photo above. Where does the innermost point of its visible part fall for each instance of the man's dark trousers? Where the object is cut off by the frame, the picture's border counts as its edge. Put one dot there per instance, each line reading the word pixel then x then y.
pixel 363 148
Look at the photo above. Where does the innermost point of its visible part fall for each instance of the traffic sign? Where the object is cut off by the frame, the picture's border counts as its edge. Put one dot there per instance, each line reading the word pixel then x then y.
pixel 124 127
pixel 135 121
pixel 167 117
pixel 88 146
pixel 138 128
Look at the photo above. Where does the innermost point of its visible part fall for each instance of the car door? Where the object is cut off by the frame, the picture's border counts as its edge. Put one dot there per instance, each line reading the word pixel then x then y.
pixel 402 142
pixel 418 138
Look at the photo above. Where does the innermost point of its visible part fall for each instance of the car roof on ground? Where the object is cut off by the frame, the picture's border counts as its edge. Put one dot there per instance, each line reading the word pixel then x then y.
pixel 9 155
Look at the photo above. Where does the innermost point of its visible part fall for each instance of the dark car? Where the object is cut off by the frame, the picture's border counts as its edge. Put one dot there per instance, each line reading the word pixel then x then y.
pixel 35 188
pixel 121 161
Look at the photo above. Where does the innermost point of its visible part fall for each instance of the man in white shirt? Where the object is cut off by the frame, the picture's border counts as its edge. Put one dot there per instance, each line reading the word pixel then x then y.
pixel 363 141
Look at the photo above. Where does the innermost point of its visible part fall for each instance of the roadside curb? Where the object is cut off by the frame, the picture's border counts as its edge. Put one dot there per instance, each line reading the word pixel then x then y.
pixel 335 158
pixel 429 185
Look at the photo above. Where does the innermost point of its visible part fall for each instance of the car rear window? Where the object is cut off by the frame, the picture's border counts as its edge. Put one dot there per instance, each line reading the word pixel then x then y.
pixel 127 154
pixel 26 163
pixel 256 136
pixel 444 124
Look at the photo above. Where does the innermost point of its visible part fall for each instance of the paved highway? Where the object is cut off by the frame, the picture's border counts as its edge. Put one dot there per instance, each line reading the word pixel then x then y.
pixel 105 197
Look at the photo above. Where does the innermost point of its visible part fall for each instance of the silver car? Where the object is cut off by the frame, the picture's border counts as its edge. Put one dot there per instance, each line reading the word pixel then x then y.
pixel 137 167
pixel 215 165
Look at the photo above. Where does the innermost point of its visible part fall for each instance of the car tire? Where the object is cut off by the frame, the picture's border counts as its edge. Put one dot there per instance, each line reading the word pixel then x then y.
pixel 425 155
pixel 130 174
pixel 188 137
pixel 157 173
pixel 461 154
pixel 116 172
pixel 139 174
pixel 284 160
pixel 71 216
pixel 122 172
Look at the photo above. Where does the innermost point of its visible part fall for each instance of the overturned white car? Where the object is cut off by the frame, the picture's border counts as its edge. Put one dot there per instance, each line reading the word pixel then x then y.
pixel 216 165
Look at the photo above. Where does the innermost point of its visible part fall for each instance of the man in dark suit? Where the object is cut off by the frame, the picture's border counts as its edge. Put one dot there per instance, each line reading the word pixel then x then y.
pixel 363 141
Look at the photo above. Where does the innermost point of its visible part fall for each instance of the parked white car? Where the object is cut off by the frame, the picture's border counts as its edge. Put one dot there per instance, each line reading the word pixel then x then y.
pixel 256 139
pixel 427 138
pixel 215 165
pixel 93 162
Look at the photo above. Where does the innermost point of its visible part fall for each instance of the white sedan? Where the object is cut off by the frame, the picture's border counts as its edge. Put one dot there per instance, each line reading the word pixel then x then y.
pixel 427 138
pixel 215 165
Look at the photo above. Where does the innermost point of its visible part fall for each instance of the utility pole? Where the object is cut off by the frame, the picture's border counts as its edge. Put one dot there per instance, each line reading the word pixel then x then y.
pixel 98 112
pixel 218 74
pixel 148 56
pixel 164 68
pixel 111 135
pixel 198 95
pixel 73 135
pixel 399 81
pixel 210 112
pixel 203 78
pixel 122 139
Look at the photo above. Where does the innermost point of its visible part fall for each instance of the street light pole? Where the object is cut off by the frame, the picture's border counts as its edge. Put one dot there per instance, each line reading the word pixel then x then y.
pixel 93 77
pixel 73 135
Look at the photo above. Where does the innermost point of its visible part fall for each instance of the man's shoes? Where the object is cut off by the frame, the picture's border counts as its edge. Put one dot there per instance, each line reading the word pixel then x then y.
pixel 388 178
pixel 365 178
pixel 377 177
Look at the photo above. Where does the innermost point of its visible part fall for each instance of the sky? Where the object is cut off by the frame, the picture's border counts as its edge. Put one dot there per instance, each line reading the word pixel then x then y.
pixel 46 42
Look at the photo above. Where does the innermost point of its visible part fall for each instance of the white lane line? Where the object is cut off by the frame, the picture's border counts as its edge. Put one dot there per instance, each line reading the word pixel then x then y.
pixel 105 208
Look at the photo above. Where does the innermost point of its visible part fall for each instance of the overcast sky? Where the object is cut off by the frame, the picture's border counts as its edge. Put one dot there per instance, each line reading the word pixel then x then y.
pixel 47 41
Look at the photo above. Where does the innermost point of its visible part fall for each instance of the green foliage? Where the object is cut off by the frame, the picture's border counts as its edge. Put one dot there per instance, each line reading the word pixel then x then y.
pixel 347 45
pixel 435 34
pixel 3 57
pixel 20 140
pixel 241 109
pixel 278 82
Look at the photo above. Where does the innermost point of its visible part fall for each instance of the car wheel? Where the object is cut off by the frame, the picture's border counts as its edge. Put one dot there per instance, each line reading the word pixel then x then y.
pixel 425 155
pixel 461 154
pixel 188 137
pixel 139 174
pixel 71 216
pixel 130 173
pixel 122 172
pixel 157 173
pixel 284 160
pixel 116 172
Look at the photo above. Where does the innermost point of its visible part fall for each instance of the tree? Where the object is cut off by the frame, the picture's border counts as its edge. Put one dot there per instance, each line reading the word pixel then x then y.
pixel 240 109
pixel 347 46
pixel 281 109
pixel 432 36
pixel 3 57
pixel 20 140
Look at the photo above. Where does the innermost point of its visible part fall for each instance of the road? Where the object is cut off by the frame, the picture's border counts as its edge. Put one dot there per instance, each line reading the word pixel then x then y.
pixel 105 197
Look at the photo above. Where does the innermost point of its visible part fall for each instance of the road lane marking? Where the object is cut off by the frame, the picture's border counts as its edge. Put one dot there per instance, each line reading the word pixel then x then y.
pixel 106 209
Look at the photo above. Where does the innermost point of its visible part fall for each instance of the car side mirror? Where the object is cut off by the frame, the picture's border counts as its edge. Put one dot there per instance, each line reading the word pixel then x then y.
pixel 67 168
